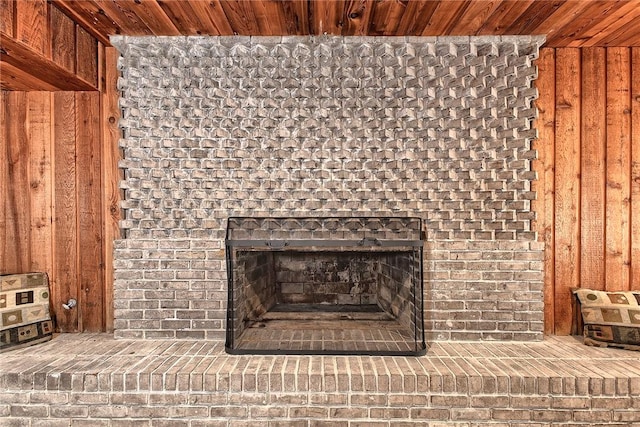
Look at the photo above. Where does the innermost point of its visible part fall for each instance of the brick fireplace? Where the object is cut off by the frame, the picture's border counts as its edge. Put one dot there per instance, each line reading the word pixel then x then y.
pixel 317 285
pixel 434 128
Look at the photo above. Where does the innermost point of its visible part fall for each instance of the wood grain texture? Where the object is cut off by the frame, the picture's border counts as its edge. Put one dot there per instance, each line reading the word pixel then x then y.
pixel 358 17
pixel 567 185
pixel 40 180
pixel 440 22
pixel 63 40
pixel 270 19
pixel 623 17
pixel 86 57
pixel 17 79
pixel 38 67
pixel 536 14
pixel 31 25
pixel 560 17
pixel 152 15
pixel 88 16
pixel 544 187
pixel 126 19
pixel 17 257
pixel 89 184
pixel 417 17
pixel 565 22
pixel 620 36
pixel 635 169
pixel 325 17
pixel 66 267
pixel 618 169
pixel 187 22
pixel 593 159
pixel 43 54
pixel 111 176
pixel 584 18
pixel 7 17
pixel 503 17
pixel 212 18
pixel 4 177
pixel 241 16
pixel 473 17
pixel 607 167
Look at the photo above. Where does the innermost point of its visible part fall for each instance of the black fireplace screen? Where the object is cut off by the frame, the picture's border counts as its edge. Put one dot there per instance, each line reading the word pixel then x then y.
pixel 325 286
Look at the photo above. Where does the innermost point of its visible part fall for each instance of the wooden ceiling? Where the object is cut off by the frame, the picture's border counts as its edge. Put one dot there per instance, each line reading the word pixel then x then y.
pixel 568 23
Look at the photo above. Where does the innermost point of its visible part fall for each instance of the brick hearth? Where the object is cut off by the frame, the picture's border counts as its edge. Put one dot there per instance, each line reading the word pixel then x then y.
pixel 94 380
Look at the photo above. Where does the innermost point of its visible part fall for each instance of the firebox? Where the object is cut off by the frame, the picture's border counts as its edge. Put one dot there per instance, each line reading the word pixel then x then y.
pixel 326 285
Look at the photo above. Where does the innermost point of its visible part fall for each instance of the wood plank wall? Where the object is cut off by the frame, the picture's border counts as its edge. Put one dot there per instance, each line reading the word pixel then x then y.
pixel 588 206
pixel 44 49
pixel 59 183
pixel 52 213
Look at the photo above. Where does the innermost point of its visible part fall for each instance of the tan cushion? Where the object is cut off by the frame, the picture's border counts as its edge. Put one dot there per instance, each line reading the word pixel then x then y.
pixel 24 310
pixel 610 318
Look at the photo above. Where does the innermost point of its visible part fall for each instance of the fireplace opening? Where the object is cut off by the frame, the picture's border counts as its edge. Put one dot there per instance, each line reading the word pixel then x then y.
pixel 325 286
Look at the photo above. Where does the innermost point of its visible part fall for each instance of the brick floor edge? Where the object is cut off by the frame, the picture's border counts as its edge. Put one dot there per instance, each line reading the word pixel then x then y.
pixel 94 380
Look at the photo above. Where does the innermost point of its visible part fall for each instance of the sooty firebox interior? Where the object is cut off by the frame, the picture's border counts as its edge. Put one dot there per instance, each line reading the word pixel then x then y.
pixel 325 286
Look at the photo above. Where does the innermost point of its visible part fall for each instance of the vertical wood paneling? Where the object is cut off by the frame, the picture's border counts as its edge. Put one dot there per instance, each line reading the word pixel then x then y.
pixel 593 158
pixel 605 164
pixel 89 184
pixel 111 175
pixel 66 211
pixel 544 167
pixel 86 56
pixel 63 40
pixel 618 169
pixel 567 184
pixel 17 252
pixel 40 179
pixel 4 176
pixel 31 24
pixel 635 168
pixel 7 17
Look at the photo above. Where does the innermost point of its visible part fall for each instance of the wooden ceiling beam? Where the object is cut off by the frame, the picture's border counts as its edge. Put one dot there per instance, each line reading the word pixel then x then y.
pixel 96 25
pixel 15 55
pixel 14 78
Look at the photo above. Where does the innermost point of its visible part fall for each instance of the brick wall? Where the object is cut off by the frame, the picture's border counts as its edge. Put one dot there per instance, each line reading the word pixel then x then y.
pixel 328 126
